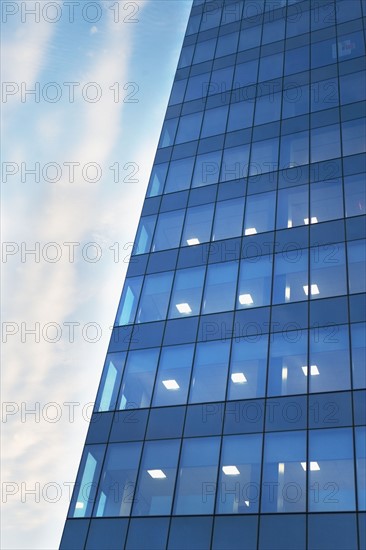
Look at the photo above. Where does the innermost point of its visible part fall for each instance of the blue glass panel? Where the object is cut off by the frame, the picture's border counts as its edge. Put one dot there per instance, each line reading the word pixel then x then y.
pixel 268 108
pixel 228 219
pixel 195 532
pixel 358 339
pixel 157 179
pixel 138 379
pixel 220 287
pixel 204 51
pixel 110 382
pixel 295 100
pixel 129 300
pixel 147 534
pixel 187 292
pixel 174 370
pixel 294 150
pixel 144 235
pixel 116 529
pixel 270 67
pixel 336 531
pixel 248 367
pixel 297 60
pixel 356 258
pixel 326 201
pixel 325 143
pixel 264 157
pixel 255 279
pixel 260 213
pixel 354 136
pixel 288 356
pixel 240 115
pixel 207 169
pixel 327 271
pixel 155 297
pixel 189 127
pixel 282 532
pixel 210 372
pixel 360 436
pixel 250 37
pixel 235 163
pixel 168 132
pixel 197 225
pixel 179 175
pixel 245 74
pixel 353 87
pixel 355 195
pixel 292 206
pixel 83 497
pixel 214 121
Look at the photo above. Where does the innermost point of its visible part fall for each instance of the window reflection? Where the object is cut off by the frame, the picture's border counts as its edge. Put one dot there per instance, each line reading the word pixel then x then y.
pixel 248 367
pixel 173 377
pixel 138 379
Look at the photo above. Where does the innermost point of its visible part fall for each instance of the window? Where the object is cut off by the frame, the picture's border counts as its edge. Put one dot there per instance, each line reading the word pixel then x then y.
pixel 324 94
pixel 329 359
pixel 189 127
pixel 268 108
pixel 290 276
pixel 355 195
pixel 245 74
pixel 327 271
pixel 83 496
pixel 179 175
pixel 221 80
pixel 260 213
pixel 168 230
pixel 353 87
pixel 264 157
pixel 197 475
pixel 220 287
pixel 270 67
pixel 324 52
pixel 178 90
pixel 331 470
pixel 325 143
pixel 186 56
pixel 168 132
pixel 154 489
pixel 297 60
pixel 284 478
pixel 235 163
pixel 240 115
pixel 173 377
pixel 254 282
pixel 294 150
pixel 350 46
pixel 353 137
pixel 110 382
pixel 155 297
pixel 157 179
pixel 248 367
pixel 288 357
pixel 214 121
pixel 204 50
pixel 197 87
pixel 292 206
pixel 239 478
pixel 326 201
pixel 117 482
pixel 198 223
pixel 250 37
pixel 138 379
pixel 273 31
pixel 210 372
pixel 207 169
pixel 295 100
pixel 358 338
pixel 129 300
pixel 227 44
pixel 187 292
pixel 356 266
pixel 360 436
pixel 228 219
pixel 144 235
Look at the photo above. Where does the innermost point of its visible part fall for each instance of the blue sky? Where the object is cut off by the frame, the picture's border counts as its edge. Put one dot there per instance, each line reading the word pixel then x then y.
pixel 52 371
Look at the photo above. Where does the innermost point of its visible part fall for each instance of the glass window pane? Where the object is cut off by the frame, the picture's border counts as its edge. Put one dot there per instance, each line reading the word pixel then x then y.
pixel 155 486
pixel 250 37
pixel 240 115
pixel 358 339
pixel 353 87
pixel 189 127
pixel 255 282
pixel 226 44
pixel 326 201
pixel 174 373
pixel 110 382
pixel 220 287
pixel 207 169
pixel 292 206
pixel 273 31
pixel 294 150
pixel 248 367
pixel 235 163
pixel 157 179
pixel 354 137
pixel 295 100
pixel 329 359
pixel 324 52
pixel 228 219
pixel 327 271
pixel 260 213
pixel 117 482
pixel 197 474
pixel 356 266
pixel 155 297
pixel 221 80
pixel 187 292
pixel 129 300
pixel 283 478
pixel 197 87
pixel 214 121
pixel 264 157
pixel 290 276
pixel 355 195
pixel 144 235
pixel 245 74
pixel 297 60
pixel 325 143
pixel 360 436
pixel 298 23
pixel 204 50
pixel 168 132
pixel 268 108
pixel 351 45
pixel 288 356
pixel 179 175
pixel 324 94
pixel 210 372
pixel 168 230
pixel 138 379
pixel 270 67
pixel 83 497
pixel 239 479
pixel 331 471
pixel 198 223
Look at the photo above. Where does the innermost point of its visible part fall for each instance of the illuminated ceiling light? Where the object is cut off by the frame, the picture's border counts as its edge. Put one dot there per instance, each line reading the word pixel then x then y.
pixel 314 466
pixel 238 378
pixel 246 503
pixel 192 241
pixel 230 470
pixel 289 223
pixel 183 308
pixel 79 505
pixel 156 474
pixel 251 231
pixel 171 384
pixel 287 293
pixel 314 371
pixel 245 299
pixel 313 219
pixel 284 373
pixel 314 289
pixel 281 467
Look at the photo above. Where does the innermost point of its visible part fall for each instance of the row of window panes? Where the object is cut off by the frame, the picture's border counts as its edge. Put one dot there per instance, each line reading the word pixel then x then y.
pixel 225 219
pixel 295 99
pixel 248 368
pixel 291 151
pixel 290 23
pixel 246 284
pixel 195 479
pixel 268 68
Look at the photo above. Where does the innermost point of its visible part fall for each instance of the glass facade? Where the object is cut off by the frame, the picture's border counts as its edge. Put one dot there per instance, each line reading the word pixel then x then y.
pixel 231 409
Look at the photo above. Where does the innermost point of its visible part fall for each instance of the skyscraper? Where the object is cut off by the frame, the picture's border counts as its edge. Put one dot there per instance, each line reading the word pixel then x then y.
pixel 231 408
